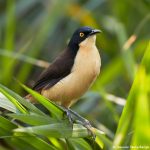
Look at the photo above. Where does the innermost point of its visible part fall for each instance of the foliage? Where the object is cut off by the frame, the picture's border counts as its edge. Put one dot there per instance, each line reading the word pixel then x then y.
pixel 125 55
pixel 31 121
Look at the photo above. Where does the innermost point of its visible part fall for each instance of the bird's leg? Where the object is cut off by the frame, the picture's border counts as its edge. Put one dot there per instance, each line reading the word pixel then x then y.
pixel 68 114
pixel 81 120
pixel 84 122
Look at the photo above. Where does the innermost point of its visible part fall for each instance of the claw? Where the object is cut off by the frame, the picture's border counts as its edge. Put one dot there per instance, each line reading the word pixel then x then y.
pixel 68 114
pixel 87 125
pixel 84 122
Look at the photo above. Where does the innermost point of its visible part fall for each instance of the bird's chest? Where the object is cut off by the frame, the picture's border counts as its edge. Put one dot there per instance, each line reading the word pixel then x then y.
pixel 85 70
pixel 87 63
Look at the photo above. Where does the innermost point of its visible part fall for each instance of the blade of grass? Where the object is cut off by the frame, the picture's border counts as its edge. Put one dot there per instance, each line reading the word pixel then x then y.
pixel 126 55
pixel 10 26
pixel 26 141
pixel 9 39
pixel 57 130
pixel 126 120
pixel 24 58
pixel 101 139
pixel 6 127
pixel 141 122
pixel 78 143
pixel 6 124
pixel 21 100
pixel 60 144
pixel 7 104
pixel 13 100
pixel 53 108
pixel 33 119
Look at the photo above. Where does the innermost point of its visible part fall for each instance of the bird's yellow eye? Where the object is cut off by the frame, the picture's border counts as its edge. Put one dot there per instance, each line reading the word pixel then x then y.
pixel 81 34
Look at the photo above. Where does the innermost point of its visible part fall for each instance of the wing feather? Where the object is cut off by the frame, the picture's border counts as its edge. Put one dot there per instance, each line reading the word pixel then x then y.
pixel 59 69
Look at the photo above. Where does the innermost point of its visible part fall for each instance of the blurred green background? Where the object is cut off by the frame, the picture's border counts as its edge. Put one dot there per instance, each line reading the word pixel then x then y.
pixel 33 32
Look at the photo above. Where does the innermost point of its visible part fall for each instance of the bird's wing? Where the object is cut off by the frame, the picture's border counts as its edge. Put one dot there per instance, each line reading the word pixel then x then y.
pixel 60 68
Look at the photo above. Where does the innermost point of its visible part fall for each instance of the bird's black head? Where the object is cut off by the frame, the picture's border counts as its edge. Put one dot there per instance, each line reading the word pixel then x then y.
pixel 80 35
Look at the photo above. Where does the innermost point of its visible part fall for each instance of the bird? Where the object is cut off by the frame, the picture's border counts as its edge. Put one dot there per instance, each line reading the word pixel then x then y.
pixel 73 71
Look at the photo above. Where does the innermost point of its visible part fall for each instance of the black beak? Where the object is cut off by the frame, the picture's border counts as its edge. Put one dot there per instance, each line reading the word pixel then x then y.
pixel 95 31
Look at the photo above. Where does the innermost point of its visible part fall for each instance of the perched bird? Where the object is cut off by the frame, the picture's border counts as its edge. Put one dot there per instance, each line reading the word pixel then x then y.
pixel 73 71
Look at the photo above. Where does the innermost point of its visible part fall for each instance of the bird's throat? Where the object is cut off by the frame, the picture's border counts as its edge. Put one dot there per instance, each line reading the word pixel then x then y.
pixel 88 42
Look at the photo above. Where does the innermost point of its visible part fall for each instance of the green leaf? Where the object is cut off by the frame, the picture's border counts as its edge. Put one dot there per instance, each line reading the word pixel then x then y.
pixel 27 141
pixel 138 97
pixel 60 144
pixel 146 59
pixel 6 127
pixel 13 100
pixel 57 130
pixel 6 124
pixel 33 119
pixel 78 144
pixel 101 139
pixel 6 104
pixel 21 100
pixel 52 107
pixel 141 120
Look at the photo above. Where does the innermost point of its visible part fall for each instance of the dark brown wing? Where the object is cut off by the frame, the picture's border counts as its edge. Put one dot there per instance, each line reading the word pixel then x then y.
pixel 59 69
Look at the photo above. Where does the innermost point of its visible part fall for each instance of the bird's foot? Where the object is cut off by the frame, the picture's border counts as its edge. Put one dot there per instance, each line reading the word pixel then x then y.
pixel 87 125
pixel 83 122
pixel 69 116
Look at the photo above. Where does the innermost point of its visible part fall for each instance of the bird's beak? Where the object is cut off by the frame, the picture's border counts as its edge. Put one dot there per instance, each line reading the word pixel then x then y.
pixel 95 31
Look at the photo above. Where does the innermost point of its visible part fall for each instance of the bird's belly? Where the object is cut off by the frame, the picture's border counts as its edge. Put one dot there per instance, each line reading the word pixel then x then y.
pixel 76 83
